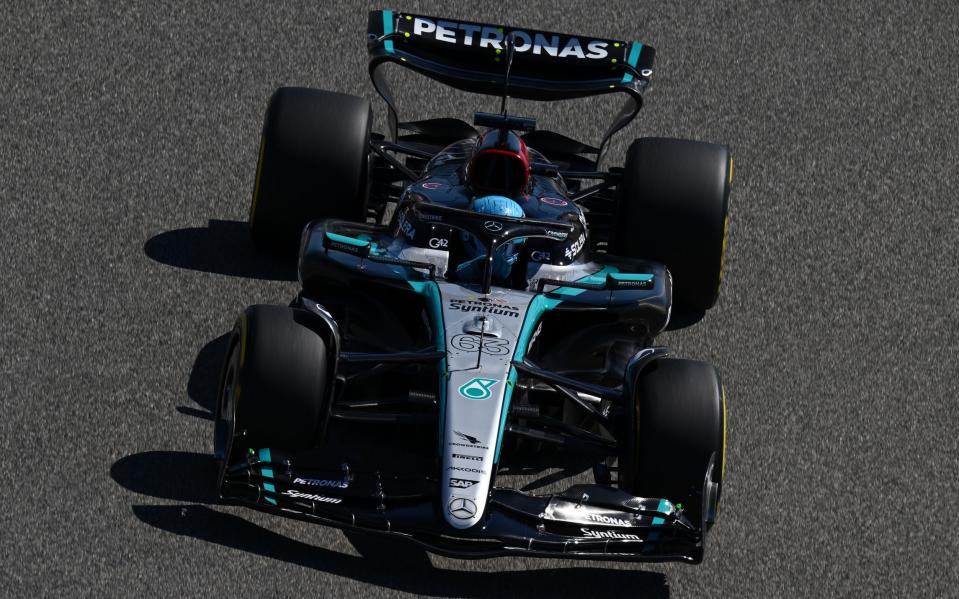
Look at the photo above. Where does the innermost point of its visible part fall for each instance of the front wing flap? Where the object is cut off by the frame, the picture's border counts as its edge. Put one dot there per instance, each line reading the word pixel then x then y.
pixel 584 522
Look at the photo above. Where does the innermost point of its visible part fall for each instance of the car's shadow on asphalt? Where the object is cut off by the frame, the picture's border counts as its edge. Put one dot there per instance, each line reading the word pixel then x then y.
pixel 222 247
pixel 389 563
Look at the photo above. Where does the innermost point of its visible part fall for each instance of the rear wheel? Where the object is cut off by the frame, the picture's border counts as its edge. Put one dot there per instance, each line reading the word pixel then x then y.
pixel 273 387
pixel 673 209
pixel 680 434
pixel 313 163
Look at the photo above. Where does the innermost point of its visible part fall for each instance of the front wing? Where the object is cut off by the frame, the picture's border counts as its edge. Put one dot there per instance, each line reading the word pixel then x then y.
pixel 584 522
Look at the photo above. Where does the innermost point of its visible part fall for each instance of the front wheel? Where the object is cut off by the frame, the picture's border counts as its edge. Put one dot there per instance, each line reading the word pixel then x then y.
pixel 273 386
pixel 680 416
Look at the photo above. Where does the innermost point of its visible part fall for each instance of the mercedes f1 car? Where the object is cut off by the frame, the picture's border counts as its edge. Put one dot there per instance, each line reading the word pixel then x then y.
pixel 478 311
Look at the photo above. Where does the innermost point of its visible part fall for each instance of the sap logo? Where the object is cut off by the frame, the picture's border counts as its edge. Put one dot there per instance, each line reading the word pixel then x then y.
pixel 462 483
pixel 484 36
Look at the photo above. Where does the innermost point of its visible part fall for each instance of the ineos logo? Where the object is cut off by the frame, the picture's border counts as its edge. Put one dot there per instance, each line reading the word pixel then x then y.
pixel 493 226
pixel 462 508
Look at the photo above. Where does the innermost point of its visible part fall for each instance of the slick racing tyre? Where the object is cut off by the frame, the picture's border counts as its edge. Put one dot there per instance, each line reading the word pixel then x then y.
pixel 313 163
pixel 273 385
pixel 680 431
pixel 673 209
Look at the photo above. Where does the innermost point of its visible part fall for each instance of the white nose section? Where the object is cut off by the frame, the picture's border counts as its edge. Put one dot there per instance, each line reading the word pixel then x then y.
pixel 476 401
pixel 481 334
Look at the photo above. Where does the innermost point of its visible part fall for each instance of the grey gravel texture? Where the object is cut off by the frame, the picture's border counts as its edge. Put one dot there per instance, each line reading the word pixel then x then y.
pixel 128 137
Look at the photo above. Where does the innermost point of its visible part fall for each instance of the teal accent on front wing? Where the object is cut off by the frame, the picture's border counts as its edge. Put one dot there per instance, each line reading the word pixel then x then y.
pixel 633 58
pixel 267 472
pixel 539 306
pixel 662 508
pixel 434 305
pixel 388 29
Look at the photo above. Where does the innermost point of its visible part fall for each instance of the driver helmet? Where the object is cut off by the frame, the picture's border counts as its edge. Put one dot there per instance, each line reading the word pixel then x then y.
pixel 499 164
pixel 505 255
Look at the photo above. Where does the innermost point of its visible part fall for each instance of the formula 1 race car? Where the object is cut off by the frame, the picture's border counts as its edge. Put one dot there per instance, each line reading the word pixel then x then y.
pixel 478 312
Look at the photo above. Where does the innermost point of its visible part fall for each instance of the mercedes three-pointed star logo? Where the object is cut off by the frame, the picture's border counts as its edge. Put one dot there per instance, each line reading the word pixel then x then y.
pixel 493 226
pixel 462 508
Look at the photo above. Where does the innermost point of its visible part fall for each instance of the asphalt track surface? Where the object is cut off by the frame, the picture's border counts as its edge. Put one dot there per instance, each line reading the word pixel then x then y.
pixel 128 140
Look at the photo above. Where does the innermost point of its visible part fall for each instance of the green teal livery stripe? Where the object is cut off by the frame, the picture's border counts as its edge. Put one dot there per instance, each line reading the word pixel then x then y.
pixel 269 487
pixel 633 58
pixel 265 455
pixel 626 276
pixel 347 240
pixel 388 29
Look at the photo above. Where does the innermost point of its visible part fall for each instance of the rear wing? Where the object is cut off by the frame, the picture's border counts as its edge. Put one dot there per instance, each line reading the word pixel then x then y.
pixel 471 57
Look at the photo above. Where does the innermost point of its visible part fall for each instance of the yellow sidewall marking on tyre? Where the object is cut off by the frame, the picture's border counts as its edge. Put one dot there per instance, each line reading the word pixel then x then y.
pixel 722 469
pixel 242 340
pixel 722 250
pixel 256 181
